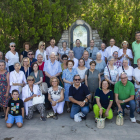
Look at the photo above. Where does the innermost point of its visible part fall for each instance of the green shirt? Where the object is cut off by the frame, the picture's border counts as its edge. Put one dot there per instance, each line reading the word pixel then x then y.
pixel 124 92
pixel 136 50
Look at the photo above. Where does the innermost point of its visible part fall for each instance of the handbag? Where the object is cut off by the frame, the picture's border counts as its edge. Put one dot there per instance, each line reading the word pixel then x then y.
pixel 100 122
pixel 44 87
pixel 37 100
pixel 119 119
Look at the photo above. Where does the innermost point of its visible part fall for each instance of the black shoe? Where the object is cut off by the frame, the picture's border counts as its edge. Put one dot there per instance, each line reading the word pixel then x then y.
pixel 42 118
pixel 55 116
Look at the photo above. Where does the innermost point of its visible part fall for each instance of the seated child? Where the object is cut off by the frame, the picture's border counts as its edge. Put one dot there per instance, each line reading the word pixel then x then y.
pixel 15 109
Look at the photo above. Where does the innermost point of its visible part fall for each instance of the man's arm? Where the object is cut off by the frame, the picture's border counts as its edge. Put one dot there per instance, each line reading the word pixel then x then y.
pixel 22 109
pixel 6 115
pixel 118 102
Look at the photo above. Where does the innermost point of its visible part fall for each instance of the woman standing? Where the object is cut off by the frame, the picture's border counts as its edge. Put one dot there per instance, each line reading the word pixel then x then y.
pixel 4 87
pixel 37 74
pixel 63 50
pixel 64 63
pixel 56 97
pixel 11 56
pixel 92 79
pixel 125 53
pixel 41 64
pixel 25 66
pixel 127 69
pixel 81 69
pixel 111 72
pixel 41 50
pixel 67 77
pixel 100 65
pixel 136 78
pixel 24 53
pixel 17 79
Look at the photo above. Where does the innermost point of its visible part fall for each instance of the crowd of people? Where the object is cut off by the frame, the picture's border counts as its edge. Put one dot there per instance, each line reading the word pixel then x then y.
pixel 91 79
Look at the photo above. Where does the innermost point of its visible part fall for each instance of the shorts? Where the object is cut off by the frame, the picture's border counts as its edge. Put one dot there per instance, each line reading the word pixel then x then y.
pixel 17 119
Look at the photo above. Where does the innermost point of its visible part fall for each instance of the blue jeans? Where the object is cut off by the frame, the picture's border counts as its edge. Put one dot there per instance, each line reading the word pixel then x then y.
pixel 132 107
pixel 17 119
pixel 76 109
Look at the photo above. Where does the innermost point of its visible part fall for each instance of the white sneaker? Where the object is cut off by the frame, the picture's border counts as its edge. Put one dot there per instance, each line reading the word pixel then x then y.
pixel 133 120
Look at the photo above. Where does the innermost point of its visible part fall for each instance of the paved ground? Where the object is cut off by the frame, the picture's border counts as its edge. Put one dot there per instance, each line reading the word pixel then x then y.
pixel 66 129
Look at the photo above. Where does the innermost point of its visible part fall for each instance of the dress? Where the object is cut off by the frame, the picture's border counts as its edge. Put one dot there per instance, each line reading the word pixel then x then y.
pixel 3 88
pixel 68 76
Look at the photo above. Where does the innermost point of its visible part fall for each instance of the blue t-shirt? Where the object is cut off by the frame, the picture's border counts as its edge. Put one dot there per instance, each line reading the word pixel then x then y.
pixel 79 94
pixel 104 98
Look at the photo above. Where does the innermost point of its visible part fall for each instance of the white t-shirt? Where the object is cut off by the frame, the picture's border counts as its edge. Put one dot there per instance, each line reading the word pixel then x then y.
pixel 109 51
pixel 81 72
pixel 128 52
pixel 12 58
pixel 129 72
pixel 44 54
pixel 136 74
pixel 16 78
pixel 55 95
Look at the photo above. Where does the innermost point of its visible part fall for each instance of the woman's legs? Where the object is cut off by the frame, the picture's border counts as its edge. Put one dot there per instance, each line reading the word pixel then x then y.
pixel 30 112
pixel 41 109
pixel 60 107
pixel 137 99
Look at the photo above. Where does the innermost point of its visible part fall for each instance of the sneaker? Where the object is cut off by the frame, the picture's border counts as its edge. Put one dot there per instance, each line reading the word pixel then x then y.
pixel 133 120
pixel 42 119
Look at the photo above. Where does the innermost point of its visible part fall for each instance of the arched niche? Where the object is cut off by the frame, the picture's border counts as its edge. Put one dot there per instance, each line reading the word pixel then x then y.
pixel 80 30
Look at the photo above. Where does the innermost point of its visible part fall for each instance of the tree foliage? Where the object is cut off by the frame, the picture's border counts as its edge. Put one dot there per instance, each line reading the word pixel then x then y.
pixel 118 19
pixel 36 20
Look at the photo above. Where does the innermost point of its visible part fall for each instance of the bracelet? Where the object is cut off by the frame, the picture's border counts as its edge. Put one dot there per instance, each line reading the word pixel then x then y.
pixel 100 108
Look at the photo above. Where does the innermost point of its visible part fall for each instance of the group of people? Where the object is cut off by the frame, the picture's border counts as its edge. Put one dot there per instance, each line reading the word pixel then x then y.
pixel 90 79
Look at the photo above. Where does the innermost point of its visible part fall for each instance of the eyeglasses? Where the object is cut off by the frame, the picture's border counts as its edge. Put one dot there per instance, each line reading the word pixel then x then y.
pixel 138 35
pixel 25 61
pixel 124 78
pixel 42 45
pixel 13 46
pixel 77 79
pixel 30 79
pixel 65 59
pixel 54 81
pixel 115 54
pixel 30 54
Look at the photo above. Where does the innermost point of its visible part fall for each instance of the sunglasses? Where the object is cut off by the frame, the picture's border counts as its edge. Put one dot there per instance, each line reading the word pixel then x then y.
pixel 30 79
pixel 30 54
pixel 13 46
pixel 77 79
pixel 42 45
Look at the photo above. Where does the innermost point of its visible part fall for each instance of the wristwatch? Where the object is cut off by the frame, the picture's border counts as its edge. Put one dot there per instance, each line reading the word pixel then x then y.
pixel 123 101
pixel 84 101
pixel 57 101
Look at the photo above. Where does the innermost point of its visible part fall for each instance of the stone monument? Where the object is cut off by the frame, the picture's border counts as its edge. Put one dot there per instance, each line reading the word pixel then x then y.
pixel 80 30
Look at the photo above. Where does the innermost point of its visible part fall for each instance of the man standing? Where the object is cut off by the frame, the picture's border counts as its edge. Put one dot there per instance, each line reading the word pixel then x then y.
pixel 51 48
pixel 52 68
pixel 30 55
pixel 136 48
pixel 92 50
pixel 102 51
pixel 78 50
pixel 71 57
pixel 79 96
pixel 112 48
pixel 87 60
pixel 124 95
pixel 117 62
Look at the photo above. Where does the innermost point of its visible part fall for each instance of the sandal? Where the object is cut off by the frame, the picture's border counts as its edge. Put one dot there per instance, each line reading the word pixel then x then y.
pixel 50 114
pixel 95 120
pixel 68 110
pixel 55 116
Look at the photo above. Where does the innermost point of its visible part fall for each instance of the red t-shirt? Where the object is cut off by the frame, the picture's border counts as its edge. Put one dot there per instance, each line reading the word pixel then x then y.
pixel 41 68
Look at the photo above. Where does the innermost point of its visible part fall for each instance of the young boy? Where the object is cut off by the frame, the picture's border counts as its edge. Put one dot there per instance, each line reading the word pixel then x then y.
pixel 15 109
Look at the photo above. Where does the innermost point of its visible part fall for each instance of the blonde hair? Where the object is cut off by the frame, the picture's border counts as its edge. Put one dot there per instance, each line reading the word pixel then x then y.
pixel 40 43
pixel 22 64
pixel 125 43
pixel 52 80
pixel 30 77
pixel 138 60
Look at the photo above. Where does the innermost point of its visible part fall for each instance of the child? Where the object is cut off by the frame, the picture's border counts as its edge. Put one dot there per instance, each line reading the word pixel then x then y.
pixel 15 109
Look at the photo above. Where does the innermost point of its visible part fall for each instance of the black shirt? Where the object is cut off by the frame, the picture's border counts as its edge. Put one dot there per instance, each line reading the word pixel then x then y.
pixel 79 94
pixel 15 107
pixel 104 98
pixel 24 53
